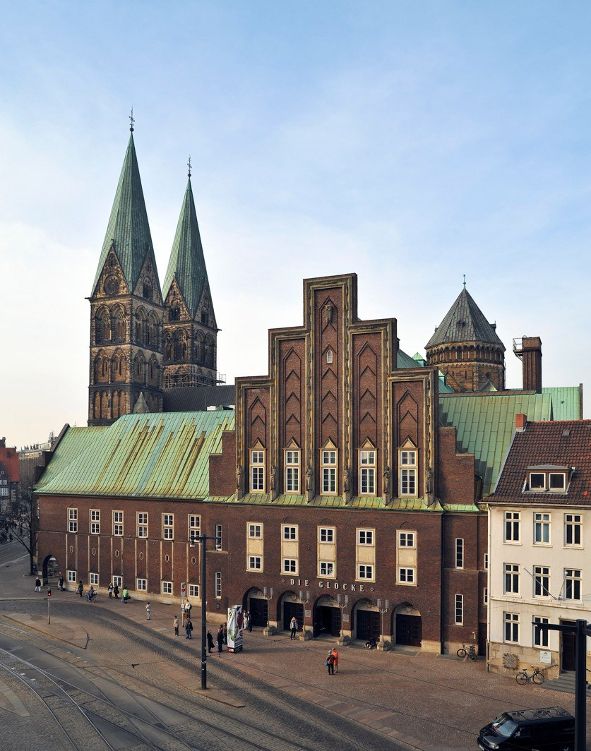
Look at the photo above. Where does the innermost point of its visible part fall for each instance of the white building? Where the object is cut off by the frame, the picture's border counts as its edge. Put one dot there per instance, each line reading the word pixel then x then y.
pixel 540 547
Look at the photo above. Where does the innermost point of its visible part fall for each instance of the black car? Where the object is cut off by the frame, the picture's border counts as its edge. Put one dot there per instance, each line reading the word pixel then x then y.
pixel 550 729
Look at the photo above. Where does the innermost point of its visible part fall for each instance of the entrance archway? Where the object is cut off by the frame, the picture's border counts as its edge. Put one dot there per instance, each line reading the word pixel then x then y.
pixel 288 607
pixel 366 620
pixel 257 605
pixel 50 570
pixel 408 627
pixel 327 617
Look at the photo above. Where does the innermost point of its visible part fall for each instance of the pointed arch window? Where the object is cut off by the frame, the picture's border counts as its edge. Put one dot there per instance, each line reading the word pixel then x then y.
pixel 102 326
pixel 118 324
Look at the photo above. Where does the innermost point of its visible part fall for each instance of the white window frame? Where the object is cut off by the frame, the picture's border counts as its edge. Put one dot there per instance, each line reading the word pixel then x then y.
pixel 118 528
pixel 327 532
pixel 166 587
pixel 327 574
pixel 254 562
pixel 257 470
pixel 329 463
pixel 167 526
pixel 512 527
pixel 289 566
pixel 574 576
pixel 459 609
pixel 367 472
pixel 141 525
pixel 511 578
pixel 118 580
pixel 292 471
pixel 95 521
pixel 407 576
pixel 485 562
pixel 542 523
pixel 539 488
pixel 459 550
pixel 366 537
pixel 218 585
pixel 93 578
pixel 574 523
pixel 408 466
pixel 71 576
pixel 541 574
pixel 219 537
pixel 562 488
pixel 485 596
pixel 365 572
pixel 141 584
pixel 72 520
pixel 254 530
pixel 407 538
pixel 540 639
pixel 193 590
pixel 194 527
pixel 287 530
pixel 511 628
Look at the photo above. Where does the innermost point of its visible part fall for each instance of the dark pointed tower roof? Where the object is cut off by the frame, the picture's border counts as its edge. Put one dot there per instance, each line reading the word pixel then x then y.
pixel 464 322
pixel 187 262
pixel 128 230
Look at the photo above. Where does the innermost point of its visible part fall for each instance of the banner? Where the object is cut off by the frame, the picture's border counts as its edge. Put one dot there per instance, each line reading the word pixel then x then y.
pixel 235 627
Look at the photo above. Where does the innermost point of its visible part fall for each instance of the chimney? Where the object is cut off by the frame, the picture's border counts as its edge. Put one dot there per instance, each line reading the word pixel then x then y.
pixel 529 351
pixel 520 422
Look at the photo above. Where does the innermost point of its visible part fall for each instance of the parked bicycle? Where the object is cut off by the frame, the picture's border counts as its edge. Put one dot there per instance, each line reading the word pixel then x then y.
pixel 469 651
pixel 524 677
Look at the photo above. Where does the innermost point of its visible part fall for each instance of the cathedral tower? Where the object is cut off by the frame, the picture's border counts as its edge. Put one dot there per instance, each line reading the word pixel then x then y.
pixel 190 330
pixel 466 348
pixel 126 309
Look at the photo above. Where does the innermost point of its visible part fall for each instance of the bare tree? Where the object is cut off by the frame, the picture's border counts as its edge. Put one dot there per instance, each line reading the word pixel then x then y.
pixel 21 522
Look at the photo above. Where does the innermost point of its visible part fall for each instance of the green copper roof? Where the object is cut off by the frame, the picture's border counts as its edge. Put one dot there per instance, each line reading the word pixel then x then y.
pixel 464 322
pixel 128 227
pixel 74 442
pixel 485 422
pixel 566 402
pixel 406 361
pixel 187 262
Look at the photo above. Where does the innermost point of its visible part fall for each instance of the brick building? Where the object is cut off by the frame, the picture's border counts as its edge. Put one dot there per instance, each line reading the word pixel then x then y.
pixel 9 475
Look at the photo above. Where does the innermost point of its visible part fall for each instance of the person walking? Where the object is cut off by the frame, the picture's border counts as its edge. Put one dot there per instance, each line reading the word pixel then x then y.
pixel 61 582
pixel 37 584
pixel 125 595
pixel 116 591
pixel 220 638
pixel 110 590
pixel 175 623
pixel 91 593
pixel 335 656
pixel 148 612
pixel 188 607
pixel 293 627
pixel 330 662
pixel 189 628
pixel 210 644
pixel 225 627
pixel 80 588
pixel 246 617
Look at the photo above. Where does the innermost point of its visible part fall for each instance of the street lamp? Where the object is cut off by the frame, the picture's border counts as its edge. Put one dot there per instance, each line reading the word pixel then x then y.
pixel 383 607
pixel 203 542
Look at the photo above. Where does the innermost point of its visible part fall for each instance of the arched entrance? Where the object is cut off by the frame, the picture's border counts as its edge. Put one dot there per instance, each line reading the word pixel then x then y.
pixel 408 629
pixel 366 620
pixel 50 570
pixel 327 617
pixel 258 607
pixel 288 607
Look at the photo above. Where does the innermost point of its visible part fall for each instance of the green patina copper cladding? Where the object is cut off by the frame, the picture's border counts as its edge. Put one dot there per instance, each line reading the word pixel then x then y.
pixel 464 322
pixel 405 361
pixel 128 227
pixel 187 263
pixel 73 443
pixel 566 402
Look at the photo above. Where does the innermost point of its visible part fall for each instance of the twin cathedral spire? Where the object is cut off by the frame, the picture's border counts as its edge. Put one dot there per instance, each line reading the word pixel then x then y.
pixel 144 338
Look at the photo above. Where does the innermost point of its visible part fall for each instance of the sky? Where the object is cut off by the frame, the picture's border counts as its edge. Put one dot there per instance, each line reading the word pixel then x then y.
pixel 408 142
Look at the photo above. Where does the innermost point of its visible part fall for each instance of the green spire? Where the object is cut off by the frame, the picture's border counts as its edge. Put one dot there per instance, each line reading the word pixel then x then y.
pixel 128 229
pixel 187 263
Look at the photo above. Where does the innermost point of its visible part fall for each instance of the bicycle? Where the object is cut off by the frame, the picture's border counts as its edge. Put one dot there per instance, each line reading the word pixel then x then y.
pixel 470 652
pixel 536 677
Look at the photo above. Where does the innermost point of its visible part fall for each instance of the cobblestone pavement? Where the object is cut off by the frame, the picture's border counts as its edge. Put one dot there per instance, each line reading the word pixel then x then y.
pixel 275 694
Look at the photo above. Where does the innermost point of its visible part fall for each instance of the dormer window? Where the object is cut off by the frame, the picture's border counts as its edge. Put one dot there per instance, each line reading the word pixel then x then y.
pixel 537 481
pixel 547 479
pixel 557 482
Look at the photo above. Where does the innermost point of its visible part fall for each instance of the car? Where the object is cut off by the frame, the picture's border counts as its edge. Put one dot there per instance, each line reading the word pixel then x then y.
pixel 547 729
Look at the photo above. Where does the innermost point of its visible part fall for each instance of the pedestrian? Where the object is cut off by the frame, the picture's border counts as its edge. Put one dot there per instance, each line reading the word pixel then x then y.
pixel 148 612
pixel 246 619
pixel 61 582
pixel 335 656
pixel 188 607
pixel 91 594
pixel 80 588
pixel 175 623
pixel 330 662
pixel 37 584
pixel 225 632
pixel 125 595
pixel 110 590
pixel 189 628
pixel 220 638
pixel 209 641
pixel 293 627
pixel 116 591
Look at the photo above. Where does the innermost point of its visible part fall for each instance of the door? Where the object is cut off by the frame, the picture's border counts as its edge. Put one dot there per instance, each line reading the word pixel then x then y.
pixel 408 630
pixel 327 620
pixel 568 649
pixel 368 625
pixel 482 639
pixel 258 611
pixel 292 610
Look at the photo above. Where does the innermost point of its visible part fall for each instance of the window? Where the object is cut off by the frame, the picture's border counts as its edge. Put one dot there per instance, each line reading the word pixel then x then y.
pixel 541 581
pixel 194 527
pixel 292 471
pixel 485 563
pixel 365 536
pixel 329 471
pixel 257 471
pixel 193 590
pixel 511 627
pixel 367 472
pixel 290 533
pixel 141 585
pixel 557 482
pixel 329 356
pixel 255 531
pixel 72 520
pixel 406 575
pixel 572 584
pixel 166 588
pixel 540 636
pixel 459 610
pixel 573 528
pixel 546 482
pixel 537 481
pixel 142 523
pixel 71 576
pixel 408 473
pixel 118 580
pixel 541 529
pixel 118 523
pixel 255 563
pixel 406 539
pixel 218 584
pixel 290 566
pixel 219 540
pixel 326 568
pixel 365 571
pixel 485 596
pixel 93 579
pixel 459 552
pixel 168 526
pixel 512 523
pixel 95 521
pixel 326 534
pixel 511 576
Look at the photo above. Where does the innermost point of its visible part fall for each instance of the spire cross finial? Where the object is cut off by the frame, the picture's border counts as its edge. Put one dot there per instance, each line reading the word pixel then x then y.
pixel 464 281
pixel 131 120
pixel 189 166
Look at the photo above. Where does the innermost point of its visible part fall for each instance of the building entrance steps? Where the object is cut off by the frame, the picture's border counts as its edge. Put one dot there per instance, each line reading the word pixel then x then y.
pixel 566 683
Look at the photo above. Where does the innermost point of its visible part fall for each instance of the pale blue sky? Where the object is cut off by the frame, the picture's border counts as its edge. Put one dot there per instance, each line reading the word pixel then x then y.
pixel 409 142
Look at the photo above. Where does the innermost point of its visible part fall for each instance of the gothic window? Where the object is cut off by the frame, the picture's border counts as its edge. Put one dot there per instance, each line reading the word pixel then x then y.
pixel 102 326
pixel 200 347
pixel 153 371
pixel 180 346
pixel 111 285
pixel 174 313
pixel 139 366
pixel 97 405
pixel 168 348
pixel 116 404
pixel 147 290
pixel 209 352
pixel 118 324
pixel 105 413
pixel 153 331
pixel 204 317
pixel 140 326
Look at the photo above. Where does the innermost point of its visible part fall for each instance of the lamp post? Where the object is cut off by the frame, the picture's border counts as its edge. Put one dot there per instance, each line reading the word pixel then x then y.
pixel 203 584
pixel 383 607
pixel 581 629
